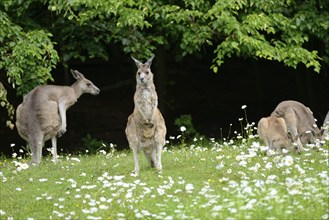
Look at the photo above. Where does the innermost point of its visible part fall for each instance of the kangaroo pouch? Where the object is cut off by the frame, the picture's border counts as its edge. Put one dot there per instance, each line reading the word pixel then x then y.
pixel 148 133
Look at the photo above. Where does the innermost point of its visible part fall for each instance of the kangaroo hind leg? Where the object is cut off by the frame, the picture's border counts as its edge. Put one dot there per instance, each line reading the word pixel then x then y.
pixel 54 150
pixel 36 143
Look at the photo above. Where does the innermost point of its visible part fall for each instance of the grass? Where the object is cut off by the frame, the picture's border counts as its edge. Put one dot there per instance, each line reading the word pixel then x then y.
pixel 204 179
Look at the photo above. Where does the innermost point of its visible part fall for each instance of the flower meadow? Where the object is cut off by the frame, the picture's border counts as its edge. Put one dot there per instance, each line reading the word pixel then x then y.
pixel 203 179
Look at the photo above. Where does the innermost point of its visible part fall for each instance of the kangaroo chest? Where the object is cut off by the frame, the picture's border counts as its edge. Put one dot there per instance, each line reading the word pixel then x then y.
pixel 146 101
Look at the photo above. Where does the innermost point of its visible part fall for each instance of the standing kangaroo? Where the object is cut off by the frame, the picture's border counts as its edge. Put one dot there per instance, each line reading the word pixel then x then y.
pixel 273 131
pixel 300 122
pixel 146 129
pixel 42 115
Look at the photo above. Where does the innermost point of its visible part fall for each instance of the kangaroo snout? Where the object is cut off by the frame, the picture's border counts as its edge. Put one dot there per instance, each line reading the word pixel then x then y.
pixel 142 77
pixel 96 91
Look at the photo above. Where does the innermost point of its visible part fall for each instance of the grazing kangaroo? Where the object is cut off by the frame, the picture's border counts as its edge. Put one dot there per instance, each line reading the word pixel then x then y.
pixel 273 131
pixel 325 128
pixel 300 122
pixel 42 114
pixel 146 129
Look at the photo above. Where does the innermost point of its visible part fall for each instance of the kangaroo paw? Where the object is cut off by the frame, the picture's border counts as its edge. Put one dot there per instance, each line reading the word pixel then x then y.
pixel 149 124
pixel 61 132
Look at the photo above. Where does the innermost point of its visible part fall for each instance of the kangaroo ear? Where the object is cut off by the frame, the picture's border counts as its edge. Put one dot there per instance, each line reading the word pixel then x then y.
pixel 149 61
pixel 137 62
pixel 76 74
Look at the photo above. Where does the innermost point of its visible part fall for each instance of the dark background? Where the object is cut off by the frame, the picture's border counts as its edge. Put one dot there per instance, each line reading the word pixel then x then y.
pixel 187 86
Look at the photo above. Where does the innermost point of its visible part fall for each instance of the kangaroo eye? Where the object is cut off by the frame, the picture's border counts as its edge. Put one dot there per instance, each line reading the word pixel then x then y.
pixel 138 73
pixel 147 72
pixel 88 84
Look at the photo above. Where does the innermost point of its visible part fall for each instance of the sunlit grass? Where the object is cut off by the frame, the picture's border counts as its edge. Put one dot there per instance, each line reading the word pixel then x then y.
pixel 205 179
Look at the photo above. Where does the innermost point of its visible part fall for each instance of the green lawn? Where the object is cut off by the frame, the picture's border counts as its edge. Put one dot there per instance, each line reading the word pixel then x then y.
pixel 202 180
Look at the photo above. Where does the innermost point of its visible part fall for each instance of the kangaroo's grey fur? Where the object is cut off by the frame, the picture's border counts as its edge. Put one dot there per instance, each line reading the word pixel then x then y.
pixel 146 129
pixel 273 131
pixel 300 122
pixel 42 114
pixel 325 127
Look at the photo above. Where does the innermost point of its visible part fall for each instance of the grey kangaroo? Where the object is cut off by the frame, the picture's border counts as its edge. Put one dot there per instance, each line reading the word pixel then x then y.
pixel 325 128
pixel 42 114
pixel 300 122
pixel 146 129
pixel 273 131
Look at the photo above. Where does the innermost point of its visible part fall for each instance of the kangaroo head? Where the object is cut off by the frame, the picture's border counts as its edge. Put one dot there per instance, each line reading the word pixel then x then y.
pixel 311 135
pixel 144 74
pixel 317 136
pixel 85 85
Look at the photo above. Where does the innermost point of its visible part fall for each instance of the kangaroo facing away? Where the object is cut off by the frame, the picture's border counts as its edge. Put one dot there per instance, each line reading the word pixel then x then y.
pixel 300 122
pixel 42 114
pixel 146 129
pixel 273 131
